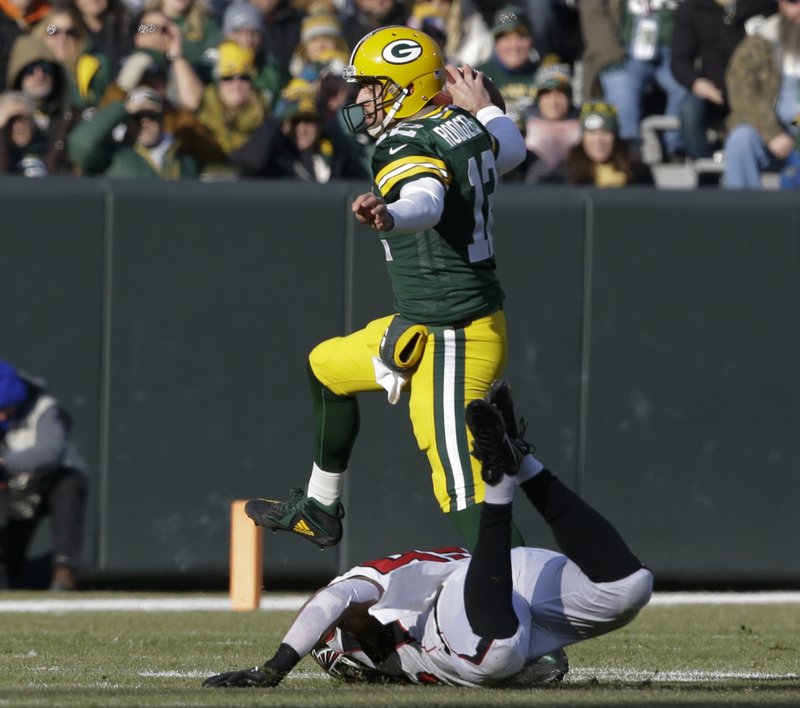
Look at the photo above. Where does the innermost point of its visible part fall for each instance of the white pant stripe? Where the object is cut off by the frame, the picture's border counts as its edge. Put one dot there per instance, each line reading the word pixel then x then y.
pixel 450 420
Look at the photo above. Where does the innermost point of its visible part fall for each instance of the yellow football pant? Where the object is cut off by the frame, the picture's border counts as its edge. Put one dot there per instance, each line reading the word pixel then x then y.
pixel 458 366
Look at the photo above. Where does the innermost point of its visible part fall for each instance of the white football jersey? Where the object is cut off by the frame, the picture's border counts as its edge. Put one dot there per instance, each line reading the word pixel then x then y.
pixel 556 604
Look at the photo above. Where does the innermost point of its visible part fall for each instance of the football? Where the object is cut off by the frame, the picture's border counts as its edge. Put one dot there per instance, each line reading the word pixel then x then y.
pixel 443 98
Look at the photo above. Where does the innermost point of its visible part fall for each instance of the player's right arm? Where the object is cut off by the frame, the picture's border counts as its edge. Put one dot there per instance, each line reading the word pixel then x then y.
pixel 510 143
pixel 469 92
pixel 327 608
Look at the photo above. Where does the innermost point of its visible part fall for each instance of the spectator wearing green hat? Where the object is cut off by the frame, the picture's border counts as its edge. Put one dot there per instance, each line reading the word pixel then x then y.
pixel 602 158
pixel 514 61
pixel 551 126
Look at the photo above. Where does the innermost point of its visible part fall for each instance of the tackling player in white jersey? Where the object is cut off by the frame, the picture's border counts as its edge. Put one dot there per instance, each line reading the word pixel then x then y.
pixel 481 619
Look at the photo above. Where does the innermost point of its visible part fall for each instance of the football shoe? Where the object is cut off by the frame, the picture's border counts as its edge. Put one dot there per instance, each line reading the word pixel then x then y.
pixel 499 395
pixel 550 668
pixel 491 445
pixel 319 523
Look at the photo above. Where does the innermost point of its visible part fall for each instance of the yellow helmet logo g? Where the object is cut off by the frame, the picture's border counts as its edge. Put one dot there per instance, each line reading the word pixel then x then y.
pixel 402 51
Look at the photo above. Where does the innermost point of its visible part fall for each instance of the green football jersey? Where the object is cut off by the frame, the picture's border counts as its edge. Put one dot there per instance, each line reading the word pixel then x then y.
pixel 444 275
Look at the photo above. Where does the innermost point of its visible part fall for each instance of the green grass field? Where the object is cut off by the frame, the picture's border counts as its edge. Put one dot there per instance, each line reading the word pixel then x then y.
pixel 698 655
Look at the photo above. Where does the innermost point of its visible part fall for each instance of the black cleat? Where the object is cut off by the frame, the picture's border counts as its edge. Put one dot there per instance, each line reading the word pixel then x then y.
pixel 492 446
pixel 499 396
pixel 300 514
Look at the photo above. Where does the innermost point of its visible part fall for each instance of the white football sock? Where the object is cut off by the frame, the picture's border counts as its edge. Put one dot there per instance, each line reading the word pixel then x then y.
pixel 502 492
pixel 529 467
pixel 325 487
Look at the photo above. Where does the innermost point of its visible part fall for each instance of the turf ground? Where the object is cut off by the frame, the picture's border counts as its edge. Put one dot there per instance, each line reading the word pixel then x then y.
pixel 126 652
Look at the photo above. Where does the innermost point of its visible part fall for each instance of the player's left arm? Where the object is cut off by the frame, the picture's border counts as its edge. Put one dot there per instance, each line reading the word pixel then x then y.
pixel 333 604
pixel 419 207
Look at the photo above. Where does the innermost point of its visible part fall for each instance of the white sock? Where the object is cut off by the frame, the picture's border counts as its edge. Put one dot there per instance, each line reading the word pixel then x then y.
pixel 325 487
pixel 502 492
pixel 529 467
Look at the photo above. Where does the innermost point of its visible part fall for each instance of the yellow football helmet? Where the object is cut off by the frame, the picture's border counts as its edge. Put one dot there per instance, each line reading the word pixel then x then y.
pixel 406 68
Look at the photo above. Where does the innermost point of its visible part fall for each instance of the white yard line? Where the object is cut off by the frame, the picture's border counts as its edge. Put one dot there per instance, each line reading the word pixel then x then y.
pixel 725 598
pixel 134 604
pixel 577 675
pixel 77 603
pixel 585 673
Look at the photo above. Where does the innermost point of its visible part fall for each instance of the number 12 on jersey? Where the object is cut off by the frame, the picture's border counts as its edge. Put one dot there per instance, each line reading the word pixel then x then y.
pixel 483 178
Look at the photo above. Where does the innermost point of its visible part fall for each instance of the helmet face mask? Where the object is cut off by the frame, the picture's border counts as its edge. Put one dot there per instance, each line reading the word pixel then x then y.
pixel 363 116
pixel 341 656
pixel 407 64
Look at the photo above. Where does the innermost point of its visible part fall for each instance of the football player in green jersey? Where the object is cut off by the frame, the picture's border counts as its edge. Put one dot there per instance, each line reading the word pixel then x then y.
pixel 437 162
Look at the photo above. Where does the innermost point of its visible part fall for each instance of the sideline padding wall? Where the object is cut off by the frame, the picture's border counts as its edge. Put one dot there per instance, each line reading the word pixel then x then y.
pixel 216 303
pixel 653 345
pixel 694 392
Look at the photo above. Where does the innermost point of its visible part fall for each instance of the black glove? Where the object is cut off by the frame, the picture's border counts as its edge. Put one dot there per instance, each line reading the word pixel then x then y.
pixel 258 676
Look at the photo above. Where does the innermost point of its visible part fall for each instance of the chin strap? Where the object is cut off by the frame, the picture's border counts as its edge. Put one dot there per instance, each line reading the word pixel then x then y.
pixel 377 130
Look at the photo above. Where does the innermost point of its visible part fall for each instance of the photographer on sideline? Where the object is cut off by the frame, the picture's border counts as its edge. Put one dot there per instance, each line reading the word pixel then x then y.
pixel 41 474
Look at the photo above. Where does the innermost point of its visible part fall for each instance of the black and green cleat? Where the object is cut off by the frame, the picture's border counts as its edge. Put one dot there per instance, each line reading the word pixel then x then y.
pixel 301 515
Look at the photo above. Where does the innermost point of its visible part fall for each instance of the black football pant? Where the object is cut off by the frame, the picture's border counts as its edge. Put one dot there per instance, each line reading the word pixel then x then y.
pixel 582 534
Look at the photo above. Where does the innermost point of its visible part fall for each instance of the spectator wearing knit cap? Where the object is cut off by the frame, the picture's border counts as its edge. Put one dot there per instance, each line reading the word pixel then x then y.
pixel 41 474
pixel 551 126
pixel 322 49
pixel 602 158
pixel 513 64
pixel 243 24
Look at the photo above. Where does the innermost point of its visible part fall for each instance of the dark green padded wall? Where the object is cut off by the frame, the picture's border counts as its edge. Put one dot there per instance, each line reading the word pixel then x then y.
pixel 653 339
pixel 694 391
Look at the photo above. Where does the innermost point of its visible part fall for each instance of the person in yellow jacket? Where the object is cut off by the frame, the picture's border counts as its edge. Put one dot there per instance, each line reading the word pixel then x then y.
pixel 231 107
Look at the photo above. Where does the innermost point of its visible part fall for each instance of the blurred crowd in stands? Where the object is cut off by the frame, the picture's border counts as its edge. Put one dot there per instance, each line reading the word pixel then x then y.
pixel 605 92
